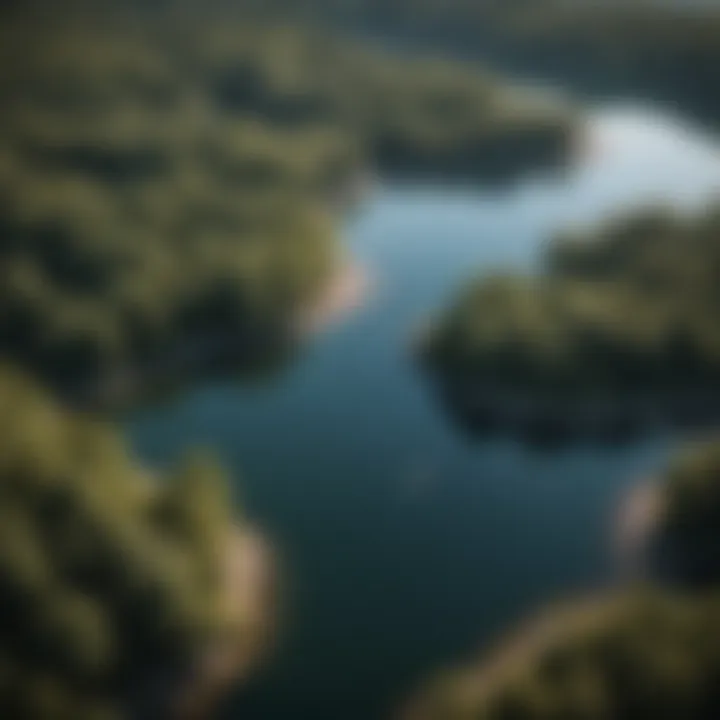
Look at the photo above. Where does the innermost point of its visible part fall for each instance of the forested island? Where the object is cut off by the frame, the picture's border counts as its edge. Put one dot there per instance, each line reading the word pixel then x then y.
pixel 169 187
pixel 122 592
pixel 617 335
pixel 643 652
pixel 665 50
pixel 662 50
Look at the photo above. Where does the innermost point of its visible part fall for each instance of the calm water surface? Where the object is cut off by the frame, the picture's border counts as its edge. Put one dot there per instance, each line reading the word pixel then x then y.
pixel 405 544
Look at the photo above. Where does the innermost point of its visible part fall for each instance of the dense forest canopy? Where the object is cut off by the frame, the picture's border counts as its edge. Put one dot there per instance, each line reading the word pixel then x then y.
pixel 109 576
pixel 624 314
pixel 166 178
pixel 667 50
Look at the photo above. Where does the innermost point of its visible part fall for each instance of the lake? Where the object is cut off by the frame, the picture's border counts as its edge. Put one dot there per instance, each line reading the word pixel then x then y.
pixel 405 543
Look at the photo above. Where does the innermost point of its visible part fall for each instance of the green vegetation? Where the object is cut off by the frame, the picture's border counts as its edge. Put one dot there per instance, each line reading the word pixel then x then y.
pixel 164 179
pixel 692 492
pixel 686 537
pixel 134 216
pixel 622 322
pixel 110 578
pixel 637 655
pixel 641 653
pixel 664 50
pixel 667 49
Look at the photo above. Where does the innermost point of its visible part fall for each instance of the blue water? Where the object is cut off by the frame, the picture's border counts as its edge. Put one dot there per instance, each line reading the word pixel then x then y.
pixel 405 544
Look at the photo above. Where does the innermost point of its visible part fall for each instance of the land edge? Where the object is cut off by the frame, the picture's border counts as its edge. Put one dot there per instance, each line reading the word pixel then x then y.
pixel 249 598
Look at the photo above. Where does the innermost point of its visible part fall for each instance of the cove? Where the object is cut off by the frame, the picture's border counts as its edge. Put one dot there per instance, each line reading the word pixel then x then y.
pixel 406 544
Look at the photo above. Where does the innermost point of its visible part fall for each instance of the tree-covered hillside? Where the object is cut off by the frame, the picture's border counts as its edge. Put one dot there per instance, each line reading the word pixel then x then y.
pixel 620 330
pixel 111 579
pixel 667 50
pixel 165 179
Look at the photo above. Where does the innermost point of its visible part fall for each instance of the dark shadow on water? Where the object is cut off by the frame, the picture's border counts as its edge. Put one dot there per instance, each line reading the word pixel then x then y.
pixel 481 419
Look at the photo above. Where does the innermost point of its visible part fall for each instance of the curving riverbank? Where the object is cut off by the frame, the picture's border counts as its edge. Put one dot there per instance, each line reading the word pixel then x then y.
pixel 635 526
pixel 257 352
pixel 248 602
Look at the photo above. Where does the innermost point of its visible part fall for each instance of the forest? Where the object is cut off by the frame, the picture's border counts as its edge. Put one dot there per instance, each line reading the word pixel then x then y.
pixel 110 576
pixel 620 325
pixel 667 50
pixel 170 189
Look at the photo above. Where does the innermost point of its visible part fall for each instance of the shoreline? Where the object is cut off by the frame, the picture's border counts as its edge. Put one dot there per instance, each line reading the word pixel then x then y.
pixel 505 657
pixel 249 601
pixel 539 417
pixel 635 526
pixel 344 294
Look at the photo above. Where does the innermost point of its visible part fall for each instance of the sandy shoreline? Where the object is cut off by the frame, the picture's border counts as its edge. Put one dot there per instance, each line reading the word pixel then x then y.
pixel 248 602
pixel 636 523
pixel 344 294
